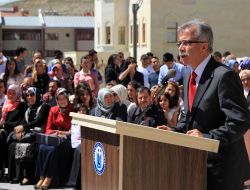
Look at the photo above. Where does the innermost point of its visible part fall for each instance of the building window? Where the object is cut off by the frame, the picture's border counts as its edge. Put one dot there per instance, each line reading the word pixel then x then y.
pixel 98 35
pixel 21 34
pixel 121 35
pixel 108 35
pixel 49 53
pixel 85 34
pixel 143 33
pixel 172 32
pixel 52 36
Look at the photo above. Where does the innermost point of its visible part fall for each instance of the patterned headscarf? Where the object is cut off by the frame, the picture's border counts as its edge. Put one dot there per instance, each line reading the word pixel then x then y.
pixel 245 64
pixel 8 105
pixel 100 100
pixel 36 91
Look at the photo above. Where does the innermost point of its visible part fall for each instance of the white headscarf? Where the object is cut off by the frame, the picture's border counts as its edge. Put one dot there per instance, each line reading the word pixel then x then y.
pixel 122 93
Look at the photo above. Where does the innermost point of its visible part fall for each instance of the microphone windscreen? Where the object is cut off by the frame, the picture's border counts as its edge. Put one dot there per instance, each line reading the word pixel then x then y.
pixel 171 74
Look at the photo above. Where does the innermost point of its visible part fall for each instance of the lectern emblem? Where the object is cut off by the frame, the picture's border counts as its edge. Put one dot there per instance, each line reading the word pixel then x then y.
pixel 99 158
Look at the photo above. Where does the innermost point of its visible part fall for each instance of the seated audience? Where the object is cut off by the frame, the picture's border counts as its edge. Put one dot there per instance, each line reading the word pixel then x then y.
pixel 50 96
pixel 40 76
pixel 11 74
pixel 146 113
pixel 107 107
pixel 12 115
pixel 21 167
pixel 120 94
pixel 85 75
pixel 58 75
pixel 54 162
pixel 112 69
pixel 170 113
pixel 83 96
pixel 130 73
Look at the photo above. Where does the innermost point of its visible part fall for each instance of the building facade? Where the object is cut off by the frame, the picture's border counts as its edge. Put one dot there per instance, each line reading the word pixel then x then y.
pixel 46 33
pixel 158 20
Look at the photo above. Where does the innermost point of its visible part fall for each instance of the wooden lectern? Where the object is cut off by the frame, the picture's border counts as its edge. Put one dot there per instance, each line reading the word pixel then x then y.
pixel 134 157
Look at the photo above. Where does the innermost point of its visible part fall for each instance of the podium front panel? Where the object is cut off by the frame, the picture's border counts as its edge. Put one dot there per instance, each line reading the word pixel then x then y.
pixel 151 165
pixel 109 179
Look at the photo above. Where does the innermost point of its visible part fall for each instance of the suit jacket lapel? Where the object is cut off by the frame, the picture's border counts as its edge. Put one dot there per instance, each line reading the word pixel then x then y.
pixel 204 83
pixel 186 88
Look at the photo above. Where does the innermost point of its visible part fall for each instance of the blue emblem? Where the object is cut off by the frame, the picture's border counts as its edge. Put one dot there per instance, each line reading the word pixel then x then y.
pixel 99 160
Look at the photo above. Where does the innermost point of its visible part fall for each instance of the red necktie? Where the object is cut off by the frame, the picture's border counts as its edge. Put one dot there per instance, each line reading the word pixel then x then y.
pixel 192 89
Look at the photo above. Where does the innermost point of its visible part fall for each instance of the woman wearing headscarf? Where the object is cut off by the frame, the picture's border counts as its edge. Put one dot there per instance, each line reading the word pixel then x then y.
pixel 121 94
pixel 107 107
pixel 53 161
pixel 21 165
pixel 12 115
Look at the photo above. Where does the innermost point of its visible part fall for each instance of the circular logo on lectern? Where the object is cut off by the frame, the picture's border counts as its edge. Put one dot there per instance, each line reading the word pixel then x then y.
pixel 99 158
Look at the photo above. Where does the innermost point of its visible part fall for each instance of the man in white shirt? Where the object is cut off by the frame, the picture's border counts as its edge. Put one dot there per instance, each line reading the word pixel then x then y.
pixel 145 68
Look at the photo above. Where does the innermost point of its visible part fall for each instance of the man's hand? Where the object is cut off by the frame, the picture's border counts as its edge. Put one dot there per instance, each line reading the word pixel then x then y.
pixel 164 127
pixel 195 133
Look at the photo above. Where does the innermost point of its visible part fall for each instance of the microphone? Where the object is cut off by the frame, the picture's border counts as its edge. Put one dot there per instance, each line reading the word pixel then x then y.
pixel 171 73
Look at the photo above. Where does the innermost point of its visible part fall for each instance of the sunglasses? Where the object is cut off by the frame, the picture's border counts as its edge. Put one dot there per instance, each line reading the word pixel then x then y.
pixel 30 95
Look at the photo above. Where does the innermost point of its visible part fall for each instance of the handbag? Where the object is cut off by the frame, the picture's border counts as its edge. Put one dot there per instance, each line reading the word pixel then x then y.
pixel 24 151
pixel 51 140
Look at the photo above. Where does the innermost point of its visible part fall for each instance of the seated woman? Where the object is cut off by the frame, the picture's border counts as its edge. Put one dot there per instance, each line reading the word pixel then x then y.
pixel 84 96
pixel 21 165
pixel 54 162
pixel 12 115
pixel 107 107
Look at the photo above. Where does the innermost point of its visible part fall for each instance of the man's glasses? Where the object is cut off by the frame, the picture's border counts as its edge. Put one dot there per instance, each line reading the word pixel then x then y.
pixel 188 42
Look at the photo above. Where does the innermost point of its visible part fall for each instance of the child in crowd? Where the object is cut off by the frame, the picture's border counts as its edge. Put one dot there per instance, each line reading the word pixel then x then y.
pixel 170 113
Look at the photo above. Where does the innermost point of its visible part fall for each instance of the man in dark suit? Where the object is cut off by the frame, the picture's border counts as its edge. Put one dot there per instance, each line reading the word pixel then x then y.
pixel 145 113
pixel 214 107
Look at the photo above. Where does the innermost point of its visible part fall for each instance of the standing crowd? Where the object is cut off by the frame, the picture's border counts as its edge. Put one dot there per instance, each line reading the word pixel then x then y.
pixel 37 99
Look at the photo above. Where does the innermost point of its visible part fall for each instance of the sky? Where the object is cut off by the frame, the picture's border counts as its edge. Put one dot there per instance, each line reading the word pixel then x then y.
pixel 2 2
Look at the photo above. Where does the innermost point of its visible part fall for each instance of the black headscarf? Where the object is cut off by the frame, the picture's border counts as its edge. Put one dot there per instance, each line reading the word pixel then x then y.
pixel 31 112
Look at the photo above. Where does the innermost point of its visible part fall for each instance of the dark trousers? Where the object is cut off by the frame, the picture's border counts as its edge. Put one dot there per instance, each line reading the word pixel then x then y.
pixel 43 160
pixel 75 173
pixel 3 148
pixel 55 162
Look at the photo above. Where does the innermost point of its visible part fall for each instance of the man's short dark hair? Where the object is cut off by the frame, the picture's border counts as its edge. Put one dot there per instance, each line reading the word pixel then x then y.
pixel 142 89
pixel 168 57
pixel 92 52
pixel 57 83
pixel 226 53
pixel 144 57
pixel 20 50
pixel 150 54
pixel 217 54
pixel 58 54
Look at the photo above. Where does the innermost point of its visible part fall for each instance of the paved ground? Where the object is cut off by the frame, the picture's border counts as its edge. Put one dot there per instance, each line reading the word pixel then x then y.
pixel 7 186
